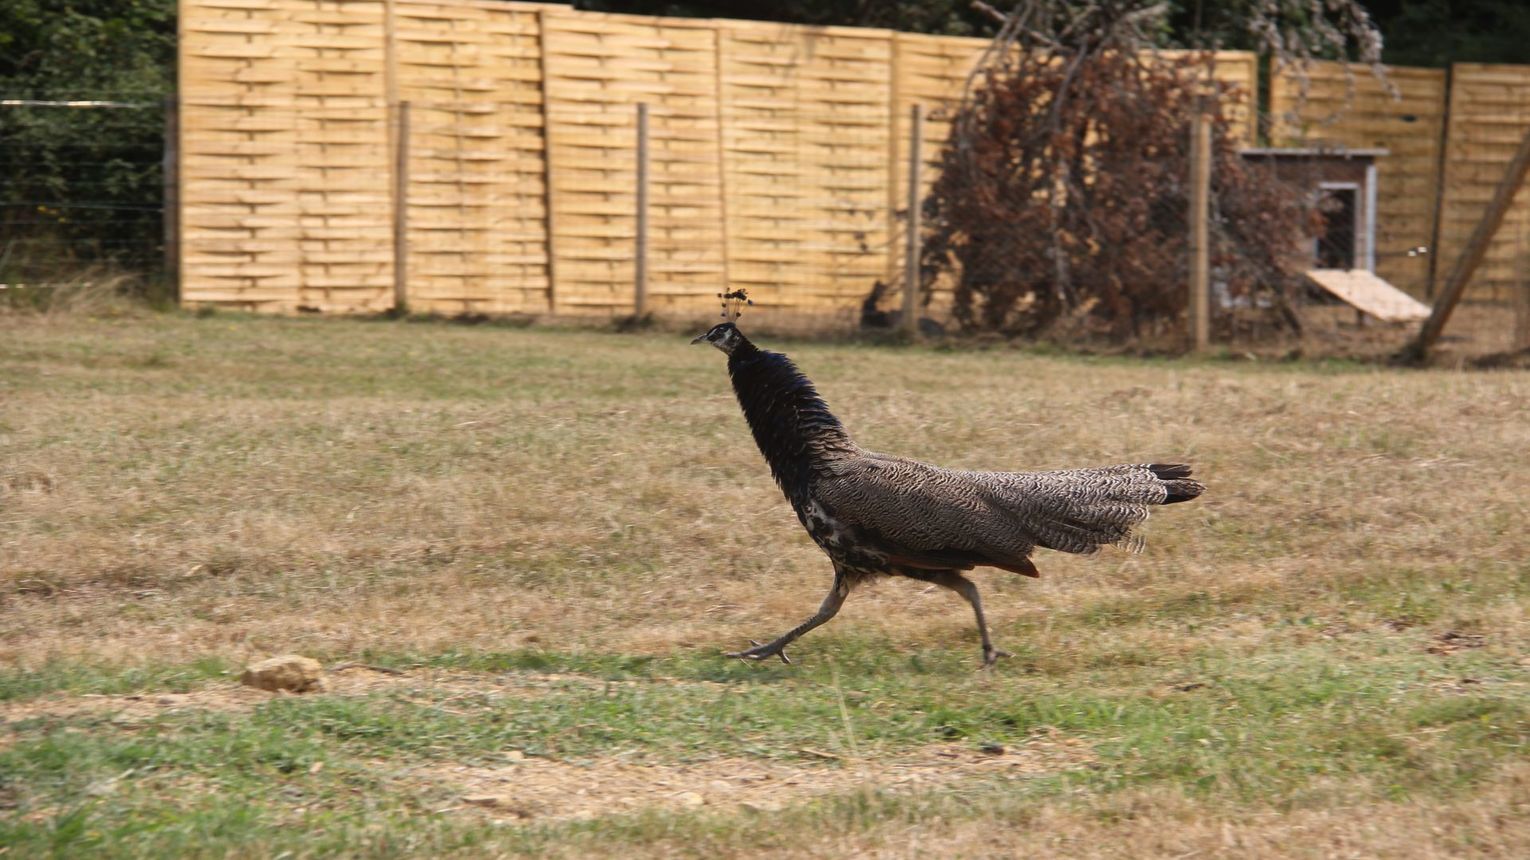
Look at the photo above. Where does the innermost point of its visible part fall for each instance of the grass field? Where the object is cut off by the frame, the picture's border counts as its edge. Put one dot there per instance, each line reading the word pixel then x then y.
pixel 548 537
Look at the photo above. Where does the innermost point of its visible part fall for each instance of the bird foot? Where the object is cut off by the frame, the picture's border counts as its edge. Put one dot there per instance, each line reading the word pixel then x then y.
pixel 992 655
pixel 760 652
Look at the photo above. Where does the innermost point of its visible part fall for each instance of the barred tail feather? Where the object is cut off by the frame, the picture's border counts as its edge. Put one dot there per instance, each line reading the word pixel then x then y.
pixel 1081 510
pixel 1182 491
pixel 1176 479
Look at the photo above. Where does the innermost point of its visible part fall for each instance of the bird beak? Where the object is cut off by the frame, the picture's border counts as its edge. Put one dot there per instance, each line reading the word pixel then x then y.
pixel 698 338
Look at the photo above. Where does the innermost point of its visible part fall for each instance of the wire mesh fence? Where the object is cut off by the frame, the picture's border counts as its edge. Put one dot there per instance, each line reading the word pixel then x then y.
pixel 82 192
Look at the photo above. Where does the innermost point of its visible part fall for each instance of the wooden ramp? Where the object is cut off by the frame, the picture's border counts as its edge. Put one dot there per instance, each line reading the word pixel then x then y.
pixel 1369 294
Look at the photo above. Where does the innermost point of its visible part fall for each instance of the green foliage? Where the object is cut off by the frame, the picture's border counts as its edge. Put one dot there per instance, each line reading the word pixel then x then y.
pixel 83 185
pixel 85 679
pixel 1441 32
pixel 121 48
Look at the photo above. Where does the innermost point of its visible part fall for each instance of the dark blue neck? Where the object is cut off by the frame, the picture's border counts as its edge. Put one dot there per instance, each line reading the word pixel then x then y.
pixel 792 425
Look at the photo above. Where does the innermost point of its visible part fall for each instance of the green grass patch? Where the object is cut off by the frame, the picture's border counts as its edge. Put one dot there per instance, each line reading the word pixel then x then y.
pixel 76 678
pixel 1260 733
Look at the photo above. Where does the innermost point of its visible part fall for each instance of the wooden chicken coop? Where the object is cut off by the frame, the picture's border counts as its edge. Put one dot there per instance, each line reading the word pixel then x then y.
pixel 1343 255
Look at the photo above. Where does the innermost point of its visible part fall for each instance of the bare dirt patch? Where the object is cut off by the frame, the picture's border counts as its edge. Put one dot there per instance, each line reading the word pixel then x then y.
pixel 526 788
pixel 133 706
pixel 341 681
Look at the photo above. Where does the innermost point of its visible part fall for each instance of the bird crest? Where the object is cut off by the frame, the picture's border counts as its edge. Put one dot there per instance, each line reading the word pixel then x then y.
pixel 733 304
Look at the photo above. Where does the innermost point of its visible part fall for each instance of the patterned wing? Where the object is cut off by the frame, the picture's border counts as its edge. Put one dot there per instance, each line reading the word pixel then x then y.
pixel 926 516
pixel 997 518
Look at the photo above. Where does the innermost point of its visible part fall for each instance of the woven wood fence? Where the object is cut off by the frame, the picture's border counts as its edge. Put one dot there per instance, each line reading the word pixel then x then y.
pixel 1449 136
pixel 481 157
pixel 777 156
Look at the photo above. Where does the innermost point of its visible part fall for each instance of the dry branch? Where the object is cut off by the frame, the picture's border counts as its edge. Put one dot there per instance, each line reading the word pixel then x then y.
pixel 1063 190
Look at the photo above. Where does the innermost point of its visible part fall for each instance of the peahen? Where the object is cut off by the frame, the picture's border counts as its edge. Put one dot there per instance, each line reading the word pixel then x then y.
pixel 879 515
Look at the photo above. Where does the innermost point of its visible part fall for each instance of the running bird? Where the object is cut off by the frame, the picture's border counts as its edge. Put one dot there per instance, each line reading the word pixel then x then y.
pixel 879 515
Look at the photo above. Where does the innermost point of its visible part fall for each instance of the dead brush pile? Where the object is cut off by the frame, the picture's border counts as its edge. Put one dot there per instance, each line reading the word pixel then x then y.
pixel 1064 190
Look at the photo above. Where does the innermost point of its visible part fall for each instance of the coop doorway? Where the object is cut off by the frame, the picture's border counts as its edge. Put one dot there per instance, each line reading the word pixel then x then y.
pixel 1339 245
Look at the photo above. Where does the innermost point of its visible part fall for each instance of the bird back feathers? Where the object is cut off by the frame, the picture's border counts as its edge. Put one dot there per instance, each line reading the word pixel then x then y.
pixel 921 516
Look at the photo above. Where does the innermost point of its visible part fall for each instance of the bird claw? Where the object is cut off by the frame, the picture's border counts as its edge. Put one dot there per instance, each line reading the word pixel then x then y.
pixel 992 655
pixel 760 652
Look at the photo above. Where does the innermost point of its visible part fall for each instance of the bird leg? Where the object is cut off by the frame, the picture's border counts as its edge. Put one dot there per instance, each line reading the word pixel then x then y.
pixel 969 591
pixel 827 610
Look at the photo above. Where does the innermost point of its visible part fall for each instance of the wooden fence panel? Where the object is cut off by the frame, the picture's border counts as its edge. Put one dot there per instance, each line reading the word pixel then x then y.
pixel 778 155
pixel 283 138
pixel 805 140
pixel 1489 116
pixel 764 172
pixel 846 116
pixel 1347 106
pixel 1241 70
pixel 599 67
pixel 477 219
pixel 931 71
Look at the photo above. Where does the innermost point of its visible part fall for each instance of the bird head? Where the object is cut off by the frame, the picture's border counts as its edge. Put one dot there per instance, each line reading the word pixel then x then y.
pixel 725 335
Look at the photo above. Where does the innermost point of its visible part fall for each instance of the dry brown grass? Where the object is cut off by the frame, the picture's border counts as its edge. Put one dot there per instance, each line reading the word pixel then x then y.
pixel 1165 824
pixel 176 489
pixel 232 488
pixel 89 291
